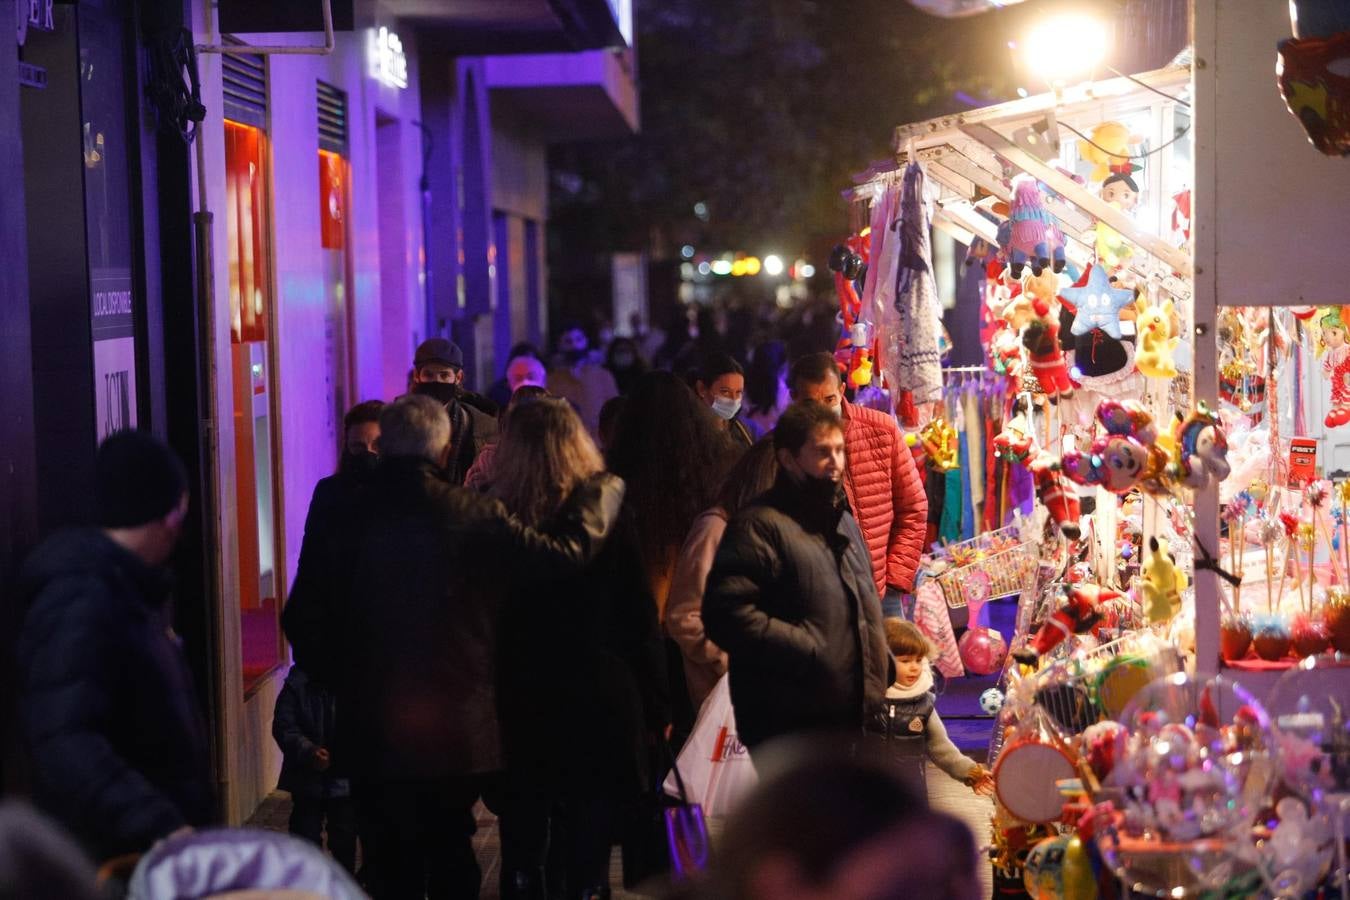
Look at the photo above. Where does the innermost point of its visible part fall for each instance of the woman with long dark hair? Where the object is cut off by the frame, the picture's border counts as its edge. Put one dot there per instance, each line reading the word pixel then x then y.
pixel 704 661
pixel 672 452
pixel 581 674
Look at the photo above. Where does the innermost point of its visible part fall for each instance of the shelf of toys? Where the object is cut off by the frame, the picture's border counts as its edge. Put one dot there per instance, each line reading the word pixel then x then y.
pixel 1132 409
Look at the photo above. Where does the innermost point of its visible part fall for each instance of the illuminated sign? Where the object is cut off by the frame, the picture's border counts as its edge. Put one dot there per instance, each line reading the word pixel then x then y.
pixel 388 64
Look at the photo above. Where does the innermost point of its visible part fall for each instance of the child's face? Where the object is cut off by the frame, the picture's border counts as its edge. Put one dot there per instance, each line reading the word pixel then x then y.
pixel 908 669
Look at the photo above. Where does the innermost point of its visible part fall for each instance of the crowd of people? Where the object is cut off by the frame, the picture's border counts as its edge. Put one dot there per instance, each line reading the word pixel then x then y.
pixel 522 597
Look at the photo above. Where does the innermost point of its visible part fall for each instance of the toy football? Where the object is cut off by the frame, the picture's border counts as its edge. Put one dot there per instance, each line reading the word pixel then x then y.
pixel 991 701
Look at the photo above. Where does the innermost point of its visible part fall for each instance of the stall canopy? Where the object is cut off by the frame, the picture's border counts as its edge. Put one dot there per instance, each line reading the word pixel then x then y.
pixel 972 156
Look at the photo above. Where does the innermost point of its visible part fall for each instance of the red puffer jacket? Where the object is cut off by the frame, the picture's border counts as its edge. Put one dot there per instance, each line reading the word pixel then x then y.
pixel 886 494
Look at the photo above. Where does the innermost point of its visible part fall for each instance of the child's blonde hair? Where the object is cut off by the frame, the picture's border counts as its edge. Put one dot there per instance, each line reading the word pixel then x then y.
pixel 904 639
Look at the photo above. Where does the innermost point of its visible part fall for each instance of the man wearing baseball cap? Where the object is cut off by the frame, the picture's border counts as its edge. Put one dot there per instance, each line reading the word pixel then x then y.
pixel 108 714
pixel 438 372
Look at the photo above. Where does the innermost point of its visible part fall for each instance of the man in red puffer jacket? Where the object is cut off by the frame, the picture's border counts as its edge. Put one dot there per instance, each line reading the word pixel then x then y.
pixel 881 479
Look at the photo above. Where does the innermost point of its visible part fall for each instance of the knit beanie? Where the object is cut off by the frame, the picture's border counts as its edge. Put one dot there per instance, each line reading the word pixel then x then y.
pixel 137 479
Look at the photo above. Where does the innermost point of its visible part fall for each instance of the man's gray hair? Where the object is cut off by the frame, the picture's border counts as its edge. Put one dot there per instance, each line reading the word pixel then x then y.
pixel 415 426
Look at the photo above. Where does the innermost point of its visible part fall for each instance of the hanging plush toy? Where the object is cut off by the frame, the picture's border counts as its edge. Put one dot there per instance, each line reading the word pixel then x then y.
pixel 1336 366
pixel 1161 582
pixel 1119 459
pixel 1056 494
pixel 1098 303
pixel 1006 356
pixel 1120 191
pixel 1079 613
pixel 1153 326
pixel 1036 239
pixel 1201 449
pixel 1108 150
pixel 1014 442
pixel 1041 338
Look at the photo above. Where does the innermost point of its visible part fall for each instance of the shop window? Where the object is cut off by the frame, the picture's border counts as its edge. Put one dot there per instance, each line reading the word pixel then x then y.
pixel 334 201
pixel 251 297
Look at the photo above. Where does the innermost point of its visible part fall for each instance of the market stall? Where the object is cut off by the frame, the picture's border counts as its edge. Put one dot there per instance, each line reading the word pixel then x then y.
pixel 1160 450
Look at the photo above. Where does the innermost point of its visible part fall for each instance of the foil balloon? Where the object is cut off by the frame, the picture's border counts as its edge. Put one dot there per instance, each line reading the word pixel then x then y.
pixel 1314 78
pixel 983 650
pixel 1199 763
pixel 1059 868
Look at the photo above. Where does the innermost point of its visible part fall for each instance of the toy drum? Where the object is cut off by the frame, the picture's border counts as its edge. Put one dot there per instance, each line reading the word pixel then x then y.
pixel 1025 776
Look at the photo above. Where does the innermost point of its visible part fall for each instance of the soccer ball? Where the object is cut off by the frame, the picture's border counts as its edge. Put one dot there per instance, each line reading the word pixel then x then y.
pixel 991 701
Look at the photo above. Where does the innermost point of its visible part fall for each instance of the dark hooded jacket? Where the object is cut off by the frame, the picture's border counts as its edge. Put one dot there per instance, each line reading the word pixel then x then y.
pixel 410 639
pixel 792 600
pixel 118 744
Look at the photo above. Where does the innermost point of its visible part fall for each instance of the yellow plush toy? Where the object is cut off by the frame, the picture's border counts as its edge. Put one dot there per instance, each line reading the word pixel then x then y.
pixel 1161 582
pixel 1112 149
pixel 1153 325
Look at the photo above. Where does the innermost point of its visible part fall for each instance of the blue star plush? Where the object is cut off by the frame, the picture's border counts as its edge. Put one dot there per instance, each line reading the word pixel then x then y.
pixel 1098 303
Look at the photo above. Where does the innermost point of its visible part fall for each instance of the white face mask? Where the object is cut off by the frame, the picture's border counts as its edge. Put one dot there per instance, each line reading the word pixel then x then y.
pixel 726 407
pixel 838 409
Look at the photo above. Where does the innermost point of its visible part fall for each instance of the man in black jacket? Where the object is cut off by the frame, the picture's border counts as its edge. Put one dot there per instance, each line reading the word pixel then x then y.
pixel 791 596
pixel 418 580
pixel 438 372
pixel 118 745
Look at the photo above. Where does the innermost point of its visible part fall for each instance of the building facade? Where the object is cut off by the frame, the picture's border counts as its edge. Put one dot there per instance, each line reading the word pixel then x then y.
pixel 237 292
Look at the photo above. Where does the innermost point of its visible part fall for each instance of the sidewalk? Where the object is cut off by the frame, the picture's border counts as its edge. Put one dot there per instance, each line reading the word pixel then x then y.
pixel 943 793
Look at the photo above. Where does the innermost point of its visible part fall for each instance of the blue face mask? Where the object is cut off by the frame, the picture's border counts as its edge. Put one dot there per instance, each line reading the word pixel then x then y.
pixel 726 407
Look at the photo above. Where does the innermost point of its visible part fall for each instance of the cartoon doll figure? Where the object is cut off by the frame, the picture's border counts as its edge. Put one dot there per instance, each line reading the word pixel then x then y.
pixel 1336 366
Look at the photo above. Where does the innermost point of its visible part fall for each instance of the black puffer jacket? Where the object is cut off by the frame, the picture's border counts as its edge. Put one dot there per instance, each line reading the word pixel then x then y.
pixel 118 745
pixel 417 590
pixel 792 600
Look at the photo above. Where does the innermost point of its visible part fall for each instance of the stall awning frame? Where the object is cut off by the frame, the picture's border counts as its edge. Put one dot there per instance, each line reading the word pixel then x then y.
pixel 972 154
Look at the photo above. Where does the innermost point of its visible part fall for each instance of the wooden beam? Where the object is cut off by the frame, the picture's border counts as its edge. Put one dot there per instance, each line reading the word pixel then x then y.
pixel 932 132
pixel 1079 196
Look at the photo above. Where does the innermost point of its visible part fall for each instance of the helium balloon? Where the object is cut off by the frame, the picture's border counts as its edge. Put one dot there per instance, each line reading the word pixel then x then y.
pixel 982 650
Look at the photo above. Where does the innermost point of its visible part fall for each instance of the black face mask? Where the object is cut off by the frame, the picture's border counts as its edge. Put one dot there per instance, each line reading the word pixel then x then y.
pixel 819 493
pixel 360 463
pixel 623 361
pixel 574 356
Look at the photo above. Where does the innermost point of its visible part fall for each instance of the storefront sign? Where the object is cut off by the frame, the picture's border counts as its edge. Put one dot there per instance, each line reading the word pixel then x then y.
pixel 35 14
pixel 114 331
pixel 32 76
pixel 388 64
pixel 1302 461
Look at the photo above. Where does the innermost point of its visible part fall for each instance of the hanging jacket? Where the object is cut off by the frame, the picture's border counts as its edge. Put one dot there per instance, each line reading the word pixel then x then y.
pixel 886 495
pixel 791 599
pixel 107 707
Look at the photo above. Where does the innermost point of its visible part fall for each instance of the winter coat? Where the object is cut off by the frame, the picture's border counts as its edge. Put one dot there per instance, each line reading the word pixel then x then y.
pixel 330 515
pixel 304 720
pixel 108 714
pixel 791 599
pixel 471 429
pixel 418 584
pixel 908 726
pixel 584 688
pixel 886 495
pixel 704 661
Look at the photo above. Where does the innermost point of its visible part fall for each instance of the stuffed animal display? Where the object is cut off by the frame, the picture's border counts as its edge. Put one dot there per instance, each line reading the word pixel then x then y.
pixel 1108 150
pixel 1119 459
pixel 1035 239
pixel 1041 338
pixel 1201 449
pixel 1098 303
pixel 1056 494
pixel 1153 325
pixel 1161 582
pixel 1080 613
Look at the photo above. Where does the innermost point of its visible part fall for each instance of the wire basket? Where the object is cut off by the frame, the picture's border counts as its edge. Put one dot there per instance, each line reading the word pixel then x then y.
pixel 1000 574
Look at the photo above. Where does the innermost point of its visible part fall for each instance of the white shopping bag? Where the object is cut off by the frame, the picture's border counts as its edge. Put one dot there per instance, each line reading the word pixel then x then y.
pixel 714 763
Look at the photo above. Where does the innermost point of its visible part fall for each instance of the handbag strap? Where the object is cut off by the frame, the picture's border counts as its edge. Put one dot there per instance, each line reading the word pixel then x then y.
pixel 674 768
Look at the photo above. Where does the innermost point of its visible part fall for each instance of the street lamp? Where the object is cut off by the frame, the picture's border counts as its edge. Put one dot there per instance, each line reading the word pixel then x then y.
pixel 1066 47
pixel 773 265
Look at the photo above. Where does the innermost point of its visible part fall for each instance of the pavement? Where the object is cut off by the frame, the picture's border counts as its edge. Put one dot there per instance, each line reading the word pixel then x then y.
pixel 944 793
